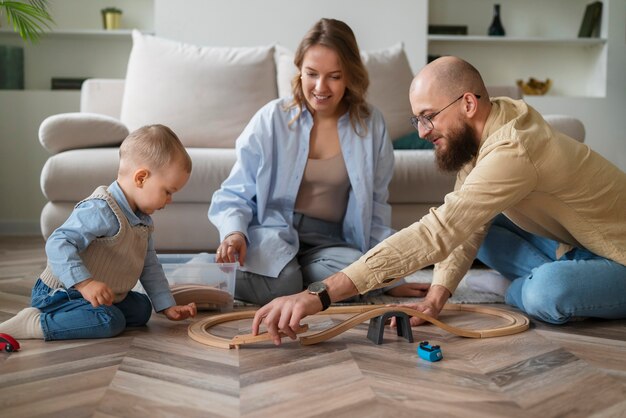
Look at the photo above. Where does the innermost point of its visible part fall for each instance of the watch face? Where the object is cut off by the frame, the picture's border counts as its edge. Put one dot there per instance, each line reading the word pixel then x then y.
pixel 316 287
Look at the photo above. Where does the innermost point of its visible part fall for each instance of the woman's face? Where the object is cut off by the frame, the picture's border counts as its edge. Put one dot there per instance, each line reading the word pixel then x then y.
pixel 323 80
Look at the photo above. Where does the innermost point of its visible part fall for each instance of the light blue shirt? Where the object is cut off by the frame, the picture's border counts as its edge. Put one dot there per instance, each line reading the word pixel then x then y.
pixel 259 195
pixel 93 219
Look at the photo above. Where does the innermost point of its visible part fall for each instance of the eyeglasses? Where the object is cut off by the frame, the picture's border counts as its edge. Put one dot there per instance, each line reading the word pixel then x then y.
pixel 427 120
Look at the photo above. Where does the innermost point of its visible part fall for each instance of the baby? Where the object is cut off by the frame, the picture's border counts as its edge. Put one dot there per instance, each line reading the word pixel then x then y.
pixel 96 257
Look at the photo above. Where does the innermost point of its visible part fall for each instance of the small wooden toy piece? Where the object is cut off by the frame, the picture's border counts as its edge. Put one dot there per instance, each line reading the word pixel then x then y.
pixel 239 340
pixel 205 297
pixel 377 326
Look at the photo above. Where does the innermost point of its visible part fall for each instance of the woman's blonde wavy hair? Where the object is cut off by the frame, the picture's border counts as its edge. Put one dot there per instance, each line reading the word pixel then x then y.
pixel 338 36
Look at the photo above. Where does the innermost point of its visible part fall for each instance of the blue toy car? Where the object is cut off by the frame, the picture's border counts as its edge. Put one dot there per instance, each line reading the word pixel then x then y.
pixel 429 352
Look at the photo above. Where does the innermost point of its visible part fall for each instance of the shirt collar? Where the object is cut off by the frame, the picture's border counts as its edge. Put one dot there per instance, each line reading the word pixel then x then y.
pixel 134 218
pixel 490 123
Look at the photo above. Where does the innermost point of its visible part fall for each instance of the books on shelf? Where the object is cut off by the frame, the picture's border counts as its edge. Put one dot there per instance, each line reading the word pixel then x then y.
pixel 590 26
pixel 447 29
pixel 11 67
pixel 60 83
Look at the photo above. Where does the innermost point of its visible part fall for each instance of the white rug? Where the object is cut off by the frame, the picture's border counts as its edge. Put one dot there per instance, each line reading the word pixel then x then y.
pixel 463 293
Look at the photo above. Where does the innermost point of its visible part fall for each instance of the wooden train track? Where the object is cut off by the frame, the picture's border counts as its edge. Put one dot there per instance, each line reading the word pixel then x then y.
pixel 199 331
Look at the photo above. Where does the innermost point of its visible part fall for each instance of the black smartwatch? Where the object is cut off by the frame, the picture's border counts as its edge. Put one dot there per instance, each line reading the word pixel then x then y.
pixel 319 289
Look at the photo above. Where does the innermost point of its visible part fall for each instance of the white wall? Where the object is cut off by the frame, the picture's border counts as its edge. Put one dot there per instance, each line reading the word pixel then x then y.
pixel 604 118
pixel 376 24
pixel 22 157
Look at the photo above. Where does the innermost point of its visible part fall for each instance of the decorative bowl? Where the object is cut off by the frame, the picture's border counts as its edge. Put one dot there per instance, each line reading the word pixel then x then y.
pixel 535 87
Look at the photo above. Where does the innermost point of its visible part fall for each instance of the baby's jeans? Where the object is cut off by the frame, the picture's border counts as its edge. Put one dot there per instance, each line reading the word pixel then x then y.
pixel 66 315
pixel 579 284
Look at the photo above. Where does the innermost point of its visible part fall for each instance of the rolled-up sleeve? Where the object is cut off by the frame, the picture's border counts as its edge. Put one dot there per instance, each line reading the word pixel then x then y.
pixel 502 177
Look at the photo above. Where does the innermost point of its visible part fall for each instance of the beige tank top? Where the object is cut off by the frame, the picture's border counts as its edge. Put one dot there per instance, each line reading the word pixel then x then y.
pixel 324 189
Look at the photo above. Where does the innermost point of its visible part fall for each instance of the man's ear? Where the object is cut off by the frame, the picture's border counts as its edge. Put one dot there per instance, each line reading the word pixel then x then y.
pixel 141 175
pixel 470 105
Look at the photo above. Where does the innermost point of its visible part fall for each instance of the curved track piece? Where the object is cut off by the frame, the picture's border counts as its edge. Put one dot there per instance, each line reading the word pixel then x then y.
pixel 517 323
pixel 199 331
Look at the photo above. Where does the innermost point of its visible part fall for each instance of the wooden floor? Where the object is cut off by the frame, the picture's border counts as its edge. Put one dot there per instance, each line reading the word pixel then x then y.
pixel 577 370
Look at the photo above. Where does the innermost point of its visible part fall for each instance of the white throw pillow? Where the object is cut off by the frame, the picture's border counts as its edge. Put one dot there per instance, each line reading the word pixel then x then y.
pixel 80 130
pixel 390 78
pixel 206 95
pixel 285 70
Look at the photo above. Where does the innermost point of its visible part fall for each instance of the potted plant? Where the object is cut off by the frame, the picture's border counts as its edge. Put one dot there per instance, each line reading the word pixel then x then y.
pixel 29 18
pixel 111 17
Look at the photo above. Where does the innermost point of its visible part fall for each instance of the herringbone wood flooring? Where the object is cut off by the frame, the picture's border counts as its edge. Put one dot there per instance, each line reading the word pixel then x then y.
pixel 577 370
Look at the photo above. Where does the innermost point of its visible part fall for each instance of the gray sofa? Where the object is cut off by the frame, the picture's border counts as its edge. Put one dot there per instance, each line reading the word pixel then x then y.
pixel 84 148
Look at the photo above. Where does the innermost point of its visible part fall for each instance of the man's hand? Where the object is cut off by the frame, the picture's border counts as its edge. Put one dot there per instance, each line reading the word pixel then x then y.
pixel 233 245
pixel 432 305
pixel 97 293
pixel 284 314
pixel 409 290
pixel 180 312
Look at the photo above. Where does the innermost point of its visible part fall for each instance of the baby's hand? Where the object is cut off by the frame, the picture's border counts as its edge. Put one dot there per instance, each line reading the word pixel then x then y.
pixel 97 293
pixel 180 312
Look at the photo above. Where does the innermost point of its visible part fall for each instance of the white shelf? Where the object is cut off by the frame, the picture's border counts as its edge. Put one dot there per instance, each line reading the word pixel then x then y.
pixel 516 40
pixel 78 33
pixel 541 42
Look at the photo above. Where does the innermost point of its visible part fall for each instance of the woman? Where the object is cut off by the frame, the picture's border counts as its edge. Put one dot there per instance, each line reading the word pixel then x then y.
pixel 308 193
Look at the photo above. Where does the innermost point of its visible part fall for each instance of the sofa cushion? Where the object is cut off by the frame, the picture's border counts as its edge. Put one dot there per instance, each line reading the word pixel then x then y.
pixel 390 77
pixel 207 95
pixel 285 70
pixel 80 130
pixel 568 125
pixel 72 175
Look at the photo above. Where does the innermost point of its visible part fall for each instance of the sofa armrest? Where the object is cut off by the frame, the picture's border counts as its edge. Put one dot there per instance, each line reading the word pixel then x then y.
pixel 568 125
pixel 103 96
pixel 80 130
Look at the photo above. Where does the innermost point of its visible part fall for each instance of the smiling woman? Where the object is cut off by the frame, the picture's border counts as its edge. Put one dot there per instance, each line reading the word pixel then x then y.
pixel 308 194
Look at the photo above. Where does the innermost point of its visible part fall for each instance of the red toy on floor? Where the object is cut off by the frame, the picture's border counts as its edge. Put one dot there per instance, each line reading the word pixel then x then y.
pixel 8 343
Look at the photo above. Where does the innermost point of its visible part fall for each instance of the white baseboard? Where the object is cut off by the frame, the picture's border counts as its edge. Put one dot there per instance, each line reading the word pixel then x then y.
pixel 19 228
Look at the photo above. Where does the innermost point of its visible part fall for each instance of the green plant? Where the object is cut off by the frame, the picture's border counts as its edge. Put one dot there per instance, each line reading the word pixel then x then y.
pixel 29 18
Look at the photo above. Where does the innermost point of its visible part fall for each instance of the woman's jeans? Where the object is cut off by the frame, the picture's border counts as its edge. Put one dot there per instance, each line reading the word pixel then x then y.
pixel 66 315
pixel 322 253
pixel 579 284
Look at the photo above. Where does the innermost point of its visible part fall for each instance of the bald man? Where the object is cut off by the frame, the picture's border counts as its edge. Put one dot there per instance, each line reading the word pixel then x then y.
pixel 545 210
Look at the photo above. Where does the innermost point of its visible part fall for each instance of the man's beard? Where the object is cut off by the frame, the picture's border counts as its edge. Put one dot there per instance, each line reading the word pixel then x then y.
pixel 460 149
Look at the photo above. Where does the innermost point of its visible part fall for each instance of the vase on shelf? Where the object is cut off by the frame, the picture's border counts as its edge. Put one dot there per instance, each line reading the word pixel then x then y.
pixel 496 28
pixel 111 18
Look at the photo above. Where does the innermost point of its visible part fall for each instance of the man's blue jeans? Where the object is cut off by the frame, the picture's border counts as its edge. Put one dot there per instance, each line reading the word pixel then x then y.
pixel 579 284
pixel 66 315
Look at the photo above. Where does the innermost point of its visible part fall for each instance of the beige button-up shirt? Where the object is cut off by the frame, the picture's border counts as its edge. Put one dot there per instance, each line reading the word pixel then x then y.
pixel 544 181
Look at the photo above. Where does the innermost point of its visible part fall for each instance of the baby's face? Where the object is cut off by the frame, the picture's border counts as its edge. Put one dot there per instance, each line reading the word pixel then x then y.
pixel 157 190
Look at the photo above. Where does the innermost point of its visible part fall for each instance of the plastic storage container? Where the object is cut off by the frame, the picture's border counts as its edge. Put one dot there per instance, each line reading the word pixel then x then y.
pixel 188 274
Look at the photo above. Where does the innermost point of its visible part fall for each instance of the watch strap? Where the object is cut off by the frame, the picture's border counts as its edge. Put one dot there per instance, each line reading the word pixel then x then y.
pixel 324 298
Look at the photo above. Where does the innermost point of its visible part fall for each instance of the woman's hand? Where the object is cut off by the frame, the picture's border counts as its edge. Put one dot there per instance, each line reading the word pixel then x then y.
pixel 233 245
